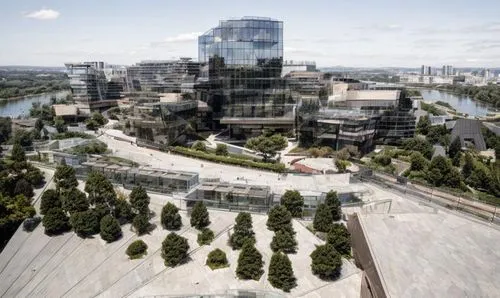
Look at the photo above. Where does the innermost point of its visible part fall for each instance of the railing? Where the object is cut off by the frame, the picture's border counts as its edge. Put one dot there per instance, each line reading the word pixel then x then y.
pixel 436 196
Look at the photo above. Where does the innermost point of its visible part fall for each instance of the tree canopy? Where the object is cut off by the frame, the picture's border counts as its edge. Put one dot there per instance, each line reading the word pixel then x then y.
pixel 217 259
pixel 100 190
pixel 284 240
pixel 250 262
pixel 340 238
pixel 278 218
pixel 323 219
pixel 139 200
pixel 267 146
pixel 55 222
pixel 141 223
pixel 74 200
pixel 85 223
pixel 242 230
pixel 332 201
pixel 326 262
pixel 280 273
pixel 65 177
pixel 199 216
pixel 174 249
pixel 50 199
pixel 170 217
pixel 110 229
pixel 293 202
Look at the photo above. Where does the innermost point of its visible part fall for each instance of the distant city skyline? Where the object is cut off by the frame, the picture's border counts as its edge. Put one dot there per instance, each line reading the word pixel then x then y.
pixel 333 33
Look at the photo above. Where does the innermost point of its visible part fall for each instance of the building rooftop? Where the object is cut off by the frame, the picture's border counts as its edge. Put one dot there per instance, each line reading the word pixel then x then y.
pixel 65 110
pixel 469 132
pixel 436 254
pixel 373 95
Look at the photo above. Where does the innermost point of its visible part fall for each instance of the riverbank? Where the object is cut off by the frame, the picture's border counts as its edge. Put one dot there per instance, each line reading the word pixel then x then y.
pixel 31 95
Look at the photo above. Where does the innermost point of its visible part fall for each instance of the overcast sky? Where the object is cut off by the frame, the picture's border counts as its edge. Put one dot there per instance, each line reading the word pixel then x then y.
pixel 349 33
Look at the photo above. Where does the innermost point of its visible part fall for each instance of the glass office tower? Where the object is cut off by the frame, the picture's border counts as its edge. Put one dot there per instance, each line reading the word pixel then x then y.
pixel 242 62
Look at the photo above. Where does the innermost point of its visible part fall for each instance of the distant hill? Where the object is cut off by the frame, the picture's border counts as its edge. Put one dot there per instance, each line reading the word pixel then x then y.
pixel 31 68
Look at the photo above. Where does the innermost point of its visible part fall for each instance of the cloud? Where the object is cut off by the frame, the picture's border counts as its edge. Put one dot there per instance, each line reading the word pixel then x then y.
pixel 180 38
pixel 43 14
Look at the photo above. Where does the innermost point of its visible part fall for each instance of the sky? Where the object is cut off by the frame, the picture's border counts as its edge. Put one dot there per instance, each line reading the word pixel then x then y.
pixel 361 33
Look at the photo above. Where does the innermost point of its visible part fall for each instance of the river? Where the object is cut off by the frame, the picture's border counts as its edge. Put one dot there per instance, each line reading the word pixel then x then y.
pixel 461 103
pixel 21 106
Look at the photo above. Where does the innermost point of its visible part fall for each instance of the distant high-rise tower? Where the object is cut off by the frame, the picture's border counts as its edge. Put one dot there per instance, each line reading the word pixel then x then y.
pixel 428 71
pixel 447 70
pixel 422 70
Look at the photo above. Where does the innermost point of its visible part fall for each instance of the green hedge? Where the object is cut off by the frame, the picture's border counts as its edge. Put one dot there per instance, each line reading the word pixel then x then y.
pixel 275 167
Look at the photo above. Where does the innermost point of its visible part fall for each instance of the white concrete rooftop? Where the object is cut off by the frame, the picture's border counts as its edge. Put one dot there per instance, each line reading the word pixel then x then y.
pixel 434 254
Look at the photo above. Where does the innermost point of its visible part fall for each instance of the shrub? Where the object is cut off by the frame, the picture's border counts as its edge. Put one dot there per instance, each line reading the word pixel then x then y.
pixel 342 165
pixel 174 249
pixel 85 223
pixel 242 231
pixel 278 218
pixel 249 263
pixel 284 240
pixel 55 222
pixel 170 217
pixel 281 273
pixel 221 149
pixel 382 160
pixel 141 224
pixel 110 229
pixel 293 202
pixel 29 224
pixel 275 167
pixel 200 146
pixel 205 237
pixel 199 216
pixel 217 259
pixel 137 249
pixel 340 238
pixel 326 262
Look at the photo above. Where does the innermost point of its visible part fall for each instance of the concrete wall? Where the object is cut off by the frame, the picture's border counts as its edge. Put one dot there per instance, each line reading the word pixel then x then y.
pixel 371 285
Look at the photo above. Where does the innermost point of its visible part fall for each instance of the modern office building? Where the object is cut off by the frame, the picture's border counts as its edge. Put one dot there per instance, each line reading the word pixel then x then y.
pixel 163 76
pixel 447 70
pixel 90 88
pixel 161 120
pixel 243 62
pixel 358 118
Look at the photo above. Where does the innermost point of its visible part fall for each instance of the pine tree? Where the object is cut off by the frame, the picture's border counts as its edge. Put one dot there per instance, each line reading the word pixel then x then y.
pixel 100 190
pixel 50 199
pixel 110 229
pixel 174 249
pixel 18 154
pixel 170 217
pixel 141 224
pixel 85 223
pixel 139 200
pixel 249 263
pixel 284 240
pixel 55 222
pixel 293 202
pixel 340 238
pixel 281 272
pixel 455 147
pixel 333 202
pixel 242 231
pixel 199 216
pixel 65 178
pixel 326 262
pixel 323 218
pixel 278 218
pixel 74 200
